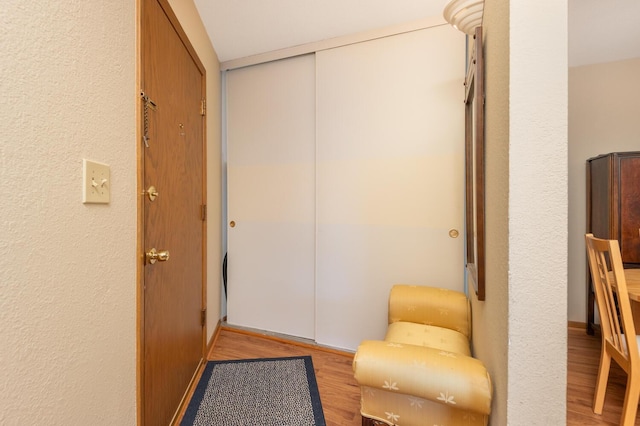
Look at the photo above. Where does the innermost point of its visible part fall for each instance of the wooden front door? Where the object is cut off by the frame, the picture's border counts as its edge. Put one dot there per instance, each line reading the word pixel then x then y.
pixel 173 333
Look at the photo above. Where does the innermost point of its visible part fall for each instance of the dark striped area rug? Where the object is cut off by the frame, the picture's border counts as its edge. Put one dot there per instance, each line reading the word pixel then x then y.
pixel 264 392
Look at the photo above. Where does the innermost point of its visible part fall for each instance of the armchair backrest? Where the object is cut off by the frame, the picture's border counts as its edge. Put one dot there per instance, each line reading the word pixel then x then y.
pixel 432 306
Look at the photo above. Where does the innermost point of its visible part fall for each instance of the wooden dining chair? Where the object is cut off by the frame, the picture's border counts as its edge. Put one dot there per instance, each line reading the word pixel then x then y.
pixel 619 339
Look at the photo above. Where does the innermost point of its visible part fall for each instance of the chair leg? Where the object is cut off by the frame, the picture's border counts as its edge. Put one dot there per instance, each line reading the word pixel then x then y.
pixel 366 421
pixel 601 383
pixel 632 394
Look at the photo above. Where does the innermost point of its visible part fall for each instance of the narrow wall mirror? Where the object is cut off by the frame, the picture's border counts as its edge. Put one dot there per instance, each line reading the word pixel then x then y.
pixel 474 167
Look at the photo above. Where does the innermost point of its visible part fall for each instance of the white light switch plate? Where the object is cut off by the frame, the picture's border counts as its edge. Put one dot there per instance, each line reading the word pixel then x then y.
pixel 96 181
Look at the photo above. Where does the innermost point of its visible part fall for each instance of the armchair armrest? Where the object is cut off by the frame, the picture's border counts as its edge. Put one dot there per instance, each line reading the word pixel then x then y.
pixel 429 305
pixel 433 374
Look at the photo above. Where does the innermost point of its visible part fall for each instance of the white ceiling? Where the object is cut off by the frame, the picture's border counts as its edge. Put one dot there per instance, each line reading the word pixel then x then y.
pixel 603 31
pixel 240 28
pixel 599 30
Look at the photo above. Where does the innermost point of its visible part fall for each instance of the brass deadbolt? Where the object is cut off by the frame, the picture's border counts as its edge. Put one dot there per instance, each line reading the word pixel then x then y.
pixel 152 193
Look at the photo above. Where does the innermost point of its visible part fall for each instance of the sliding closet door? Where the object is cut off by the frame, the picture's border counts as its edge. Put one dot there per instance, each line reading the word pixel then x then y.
pixel 271 196
pixel 390 175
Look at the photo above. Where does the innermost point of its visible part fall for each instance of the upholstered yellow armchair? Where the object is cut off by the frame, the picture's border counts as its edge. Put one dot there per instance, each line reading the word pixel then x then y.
pixel 423 373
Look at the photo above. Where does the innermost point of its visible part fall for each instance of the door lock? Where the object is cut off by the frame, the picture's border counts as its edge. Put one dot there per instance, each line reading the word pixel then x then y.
pixel 153 256
pixel 152 193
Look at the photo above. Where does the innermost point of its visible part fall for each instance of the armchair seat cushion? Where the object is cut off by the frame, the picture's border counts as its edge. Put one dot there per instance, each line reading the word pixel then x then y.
pixel 428 336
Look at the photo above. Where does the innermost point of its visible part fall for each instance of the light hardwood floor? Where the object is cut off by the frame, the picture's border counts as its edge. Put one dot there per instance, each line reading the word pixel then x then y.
pixel 340 394
pixel 582 370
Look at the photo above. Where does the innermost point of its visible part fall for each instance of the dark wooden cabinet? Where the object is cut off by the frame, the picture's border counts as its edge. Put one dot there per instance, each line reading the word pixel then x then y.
pixel 613 209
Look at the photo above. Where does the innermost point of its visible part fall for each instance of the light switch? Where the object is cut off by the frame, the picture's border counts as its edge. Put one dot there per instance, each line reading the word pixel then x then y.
pixel 96 182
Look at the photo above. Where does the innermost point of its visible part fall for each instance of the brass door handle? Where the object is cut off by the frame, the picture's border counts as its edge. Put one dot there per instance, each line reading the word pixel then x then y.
pixel 153 256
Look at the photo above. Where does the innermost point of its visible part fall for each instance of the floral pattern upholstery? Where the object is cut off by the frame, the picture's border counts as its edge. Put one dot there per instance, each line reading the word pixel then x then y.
pixel 428 335
pixel 422 374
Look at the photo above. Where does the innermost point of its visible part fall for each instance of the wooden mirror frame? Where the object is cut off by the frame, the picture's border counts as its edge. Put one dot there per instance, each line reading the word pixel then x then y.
pixel 474 167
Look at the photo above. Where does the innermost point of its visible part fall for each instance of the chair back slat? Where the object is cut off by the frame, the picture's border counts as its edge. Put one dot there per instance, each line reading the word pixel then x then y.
pixel 619 341
pixel 610 285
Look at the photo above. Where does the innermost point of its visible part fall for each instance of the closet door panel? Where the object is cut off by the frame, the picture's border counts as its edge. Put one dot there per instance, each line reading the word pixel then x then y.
pixel 390 176
pixel 271 196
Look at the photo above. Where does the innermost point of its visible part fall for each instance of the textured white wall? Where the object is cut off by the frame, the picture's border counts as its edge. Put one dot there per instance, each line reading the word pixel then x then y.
pixel 538 208
pixel 603 114
pixel 490 318
pixel 67 270
pixel 523 323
